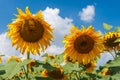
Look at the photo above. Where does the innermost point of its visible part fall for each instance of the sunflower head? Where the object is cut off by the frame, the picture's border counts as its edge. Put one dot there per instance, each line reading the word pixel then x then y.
pixel 106 72
pixel 56 74
pixel 0 59
pixel 90 66
pixel 32 63
pixel 109 41
pixel 30 33
pixel 67 59
pixel 20 73
pixel 13 58
pixel 51 56
pixel 83 45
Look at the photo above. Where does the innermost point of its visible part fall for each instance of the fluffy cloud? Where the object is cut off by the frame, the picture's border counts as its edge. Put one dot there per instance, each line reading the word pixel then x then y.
pixel 54 49
pixel 61 27
pixel 104 58
pixel 87 14
pixel 6 47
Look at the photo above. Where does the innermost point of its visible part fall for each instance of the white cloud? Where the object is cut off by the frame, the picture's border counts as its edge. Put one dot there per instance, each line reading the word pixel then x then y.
pixel 87 14
pixel 6 47
pixel 61 27
pixel 55 49
pixel 106 56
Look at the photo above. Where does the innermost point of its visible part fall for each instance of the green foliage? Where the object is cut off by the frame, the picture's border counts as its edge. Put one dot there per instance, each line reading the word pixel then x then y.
pixel 48 66
pixel 12 68
pixel 117 29
pixel 39 68
pixel 70 68
pixel 45 65
pixel 45 55
pixel 113 63
pixel 58 58
pixel 113 77
pixel 107 26
pixel 2 72
pixel 42 78
pixel 117 40
pixel 1 55
pixel 114 69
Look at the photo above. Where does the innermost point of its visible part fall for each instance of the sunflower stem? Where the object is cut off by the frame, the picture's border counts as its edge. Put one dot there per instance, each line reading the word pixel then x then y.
pixel 28 57
pixel 23 68
pixel 70 76
pixel 78 71
pixel 77 77
pixel 115 52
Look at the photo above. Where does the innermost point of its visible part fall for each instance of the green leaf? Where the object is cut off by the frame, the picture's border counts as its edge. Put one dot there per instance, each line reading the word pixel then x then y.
pixel 42 78
pixel 118 53
pixel 117 29
pixel 48 66
pixel 117 40
pixel 45 55
pixel 59 58
pixel 49 60
pixel 2 72
pixel 113 63
pixel 38 68
pixel 106 78
pixel 93 76
pixel 13 67
pixel 107 26
pixel 113 77
pixel 1 78
pixel 114 70
pixel 70 67
pixel 45 65
pixel 116 76
pixel 1 55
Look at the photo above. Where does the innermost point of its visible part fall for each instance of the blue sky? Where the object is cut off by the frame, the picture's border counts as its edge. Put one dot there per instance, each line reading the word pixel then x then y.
pixel 61 14
pixel 105 10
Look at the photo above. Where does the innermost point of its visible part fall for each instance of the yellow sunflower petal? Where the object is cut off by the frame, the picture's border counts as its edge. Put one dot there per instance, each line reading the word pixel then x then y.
pixel 81 45
pixel 30 33
pixel 109 41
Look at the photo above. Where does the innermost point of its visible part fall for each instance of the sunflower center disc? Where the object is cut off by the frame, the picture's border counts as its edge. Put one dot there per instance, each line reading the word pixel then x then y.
pixel 56 74
pixel 32 31
pixel 84 44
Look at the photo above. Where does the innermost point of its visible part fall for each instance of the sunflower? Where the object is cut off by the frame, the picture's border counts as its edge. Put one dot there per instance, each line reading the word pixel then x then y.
pixel 83 45
pixel 20 73
pixel 67 59
pixel 56 74
pixel 30 33
pixel 106 72
pixel 0 59
pixel 109 41
pixel 13 58
pixel 51 56
pixel 90 66
pixel 32 63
